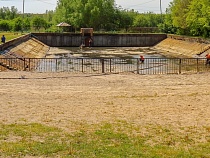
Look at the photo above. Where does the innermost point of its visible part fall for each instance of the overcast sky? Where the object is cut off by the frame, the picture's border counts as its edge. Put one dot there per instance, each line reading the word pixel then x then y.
pixel 40 6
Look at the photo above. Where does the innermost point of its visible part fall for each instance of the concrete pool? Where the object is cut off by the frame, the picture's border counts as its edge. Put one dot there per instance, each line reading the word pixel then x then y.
pixel 103 52
pixel 104 60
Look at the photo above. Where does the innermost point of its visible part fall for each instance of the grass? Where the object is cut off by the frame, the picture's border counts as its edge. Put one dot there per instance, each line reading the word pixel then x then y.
pixel 118 139
pixel 10 35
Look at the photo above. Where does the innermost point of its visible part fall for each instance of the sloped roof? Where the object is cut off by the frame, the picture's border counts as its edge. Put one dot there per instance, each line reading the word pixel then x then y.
pixel 63 24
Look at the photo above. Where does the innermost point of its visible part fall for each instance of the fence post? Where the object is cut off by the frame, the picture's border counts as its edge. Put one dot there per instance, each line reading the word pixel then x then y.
pixel 110 65
pixel 197 66
pixel 29 64
pixel 180 66
pixel 82 65
pixel 24 64
pixel 56 65
pixel 102 62
pixel 138 65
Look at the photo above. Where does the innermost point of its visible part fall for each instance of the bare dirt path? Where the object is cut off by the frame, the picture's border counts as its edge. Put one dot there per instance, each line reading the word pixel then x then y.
pixel 60 98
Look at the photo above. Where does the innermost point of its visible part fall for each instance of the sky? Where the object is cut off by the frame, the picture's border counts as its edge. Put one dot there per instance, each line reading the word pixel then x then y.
pixel 40 6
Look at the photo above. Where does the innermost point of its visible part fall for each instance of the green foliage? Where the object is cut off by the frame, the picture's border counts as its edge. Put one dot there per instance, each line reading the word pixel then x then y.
pixel 179 9
pixel 26 24
pixel 39 22
pixel 8 14
pixel 125 18
pixel 189 17
pixel 100 14
pixel 12 20
pixel 87 13
pixel 147 20
pixel 5 25
pixel 49 16
pixel 185 17
pixel 198 17
pixel 167 25
pixel 18 24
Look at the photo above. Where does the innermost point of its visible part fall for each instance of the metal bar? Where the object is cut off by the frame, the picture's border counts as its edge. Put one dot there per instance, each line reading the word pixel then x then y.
pixel 102 64
pixel 197 66
pixel 82 65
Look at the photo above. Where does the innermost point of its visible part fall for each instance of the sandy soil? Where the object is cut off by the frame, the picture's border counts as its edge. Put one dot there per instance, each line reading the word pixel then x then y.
pixel 60 98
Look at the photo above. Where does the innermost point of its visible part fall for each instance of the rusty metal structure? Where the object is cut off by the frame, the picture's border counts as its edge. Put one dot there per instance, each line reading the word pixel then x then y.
pixel 87 37
pixel 87 32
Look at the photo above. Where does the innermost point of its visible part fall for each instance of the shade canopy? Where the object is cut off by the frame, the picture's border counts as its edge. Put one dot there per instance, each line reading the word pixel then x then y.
pixel 63 24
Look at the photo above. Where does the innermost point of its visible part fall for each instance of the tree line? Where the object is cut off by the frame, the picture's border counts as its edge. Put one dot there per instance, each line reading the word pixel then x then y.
pixel 12 20
pixel 188 17
pixel 185 17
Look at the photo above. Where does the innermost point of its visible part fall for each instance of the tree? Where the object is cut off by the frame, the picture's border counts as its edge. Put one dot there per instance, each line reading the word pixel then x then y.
pixel 18 24
pixel 4 25
pixel 198 18
pixel 147 20
pixel 86 13
pixel 188 17
pixel 167 26
pixel 8 14
pixel 26 24
pixel 49 15
pixel 179 9
pixel 13 13
pixel 38 23
pixel 125 18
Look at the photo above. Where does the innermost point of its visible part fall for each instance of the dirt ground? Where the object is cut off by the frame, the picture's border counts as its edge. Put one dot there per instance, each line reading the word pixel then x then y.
pixel 56 99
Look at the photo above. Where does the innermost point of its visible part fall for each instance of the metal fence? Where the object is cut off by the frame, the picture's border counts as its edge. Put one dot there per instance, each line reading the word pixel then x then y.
pixel 106 65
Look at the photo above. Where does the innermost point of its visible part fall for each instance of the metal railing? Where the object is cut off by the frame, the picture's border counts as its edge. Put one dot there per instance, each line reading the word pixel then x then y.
pixel 106 65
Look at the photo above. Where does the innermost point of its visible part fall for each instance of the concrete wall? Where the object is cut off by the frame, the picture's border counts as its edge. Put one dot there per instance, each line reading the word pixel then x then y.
pixel 24 47
pixel 15 41
pixel 189 39
pixel 184 46
pixel 100 40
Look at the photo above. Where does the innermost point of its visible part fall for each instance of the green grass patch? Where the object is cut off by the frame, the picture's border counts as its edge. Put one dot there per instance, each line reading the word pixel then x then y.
pixel 10 35
pixel 116 140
